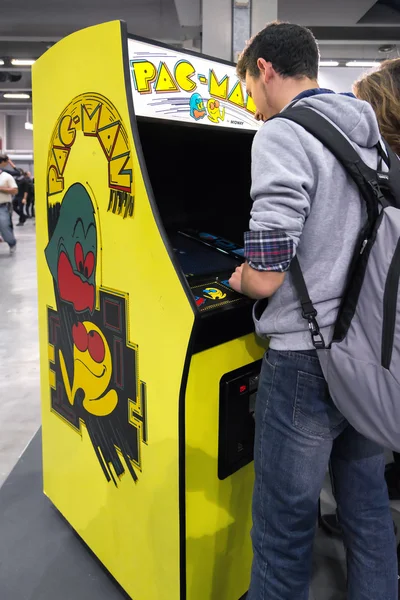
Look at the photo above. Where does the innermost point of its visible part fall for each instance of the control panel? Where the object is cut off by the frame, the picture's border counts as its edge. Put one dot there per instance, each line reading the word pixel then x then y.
pixel 214 294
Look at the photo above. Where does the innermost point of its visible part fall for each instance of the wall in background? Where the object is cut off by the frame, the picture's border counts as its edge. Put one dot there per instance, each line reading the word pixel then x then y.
pixel 25 165
pixel 340 79
pixel 3 133
pixel 18 138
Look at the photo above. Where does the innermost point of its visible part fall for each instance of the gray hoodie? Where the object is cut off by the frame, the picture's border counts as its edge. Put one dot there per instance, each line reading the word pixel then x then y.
pixel 298 187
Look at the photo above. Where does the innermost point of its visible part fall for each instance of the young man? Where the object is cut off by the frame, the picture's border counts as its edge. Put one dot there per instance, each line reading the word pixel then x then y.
pixel 8 188
pixel 304 203
pixel 8 166
pixel 17 202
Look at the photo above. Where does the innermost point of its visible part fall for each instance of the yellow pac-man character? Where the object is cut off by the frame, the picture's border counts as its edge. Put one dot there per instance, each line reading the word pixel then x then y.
pixel 214 294
pixel 215 113
pixel 92 370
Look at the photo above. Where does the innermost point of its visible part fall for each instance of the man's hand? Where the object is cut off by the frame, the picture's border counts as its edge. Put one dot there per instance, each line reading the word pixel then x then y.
pixel 23 200
pixel 255 284
pixel 236 280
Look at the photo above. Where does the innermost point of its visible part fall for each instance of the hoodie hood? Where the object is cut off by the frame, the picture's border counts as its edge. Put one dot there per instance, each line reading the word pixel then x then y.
pixel 355 118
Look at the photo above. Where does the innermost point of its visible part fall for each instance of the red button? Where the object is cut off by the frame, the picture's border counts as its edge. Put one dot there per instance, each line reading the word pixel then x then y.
pixel 243 388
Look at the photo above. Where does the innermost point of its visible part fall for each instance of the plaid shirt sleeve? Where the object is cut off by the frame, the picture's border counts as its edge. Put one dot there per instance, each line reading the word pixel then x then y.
pixel 268 250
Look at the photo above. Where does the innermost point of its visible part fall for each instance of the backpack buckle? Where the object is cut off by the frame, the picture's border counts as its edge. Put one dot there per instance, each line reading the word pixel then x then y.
pixel 317 337
pixel 377 190
pixel 308 311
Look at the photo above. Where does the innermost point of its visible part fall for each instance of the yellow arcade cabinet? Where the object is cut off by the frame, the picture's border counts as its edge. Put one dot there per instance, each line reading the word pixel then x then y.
pixel 149 366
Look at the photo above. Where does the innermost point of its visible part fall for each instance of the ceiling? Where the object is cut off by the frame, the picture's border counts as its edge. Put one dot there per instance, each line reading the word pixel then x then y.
pixel 340 13
pixel 346 28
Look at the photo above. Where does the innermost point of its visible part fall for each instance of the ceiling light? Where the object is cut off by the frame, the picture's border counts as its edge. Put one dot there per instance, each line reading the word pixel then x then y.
pixel 28 122
pixel 1 61
pixel 17 96
pixel 328 63
pixel 363 63
pixel 18 62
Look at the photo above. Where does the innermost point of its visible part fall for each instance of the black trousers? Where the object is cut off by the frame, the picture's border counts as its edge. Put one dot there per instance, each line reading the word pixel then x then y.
pixel 19 209
pixel 30 207
pixel 396 457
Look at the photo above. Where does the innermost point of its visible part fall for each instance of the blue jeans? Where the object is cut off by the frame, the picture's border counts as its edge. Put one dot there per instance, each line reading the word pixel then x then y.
pixel 298 429
pixel 6 228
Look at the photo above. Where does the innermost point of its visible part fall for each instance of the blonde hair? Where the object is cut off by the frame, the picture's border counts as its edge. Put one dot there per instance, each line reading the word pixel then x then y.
pixel 382 90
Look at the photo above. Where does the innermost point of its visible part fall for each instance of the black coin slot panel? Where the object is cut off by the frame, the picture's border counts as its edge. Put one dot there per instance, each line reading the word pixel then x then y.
pixel 238 391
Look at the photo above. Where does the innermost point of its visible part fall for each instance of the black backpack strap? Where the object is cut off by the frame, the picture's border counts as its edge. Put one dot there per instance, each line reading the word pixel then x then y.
pixel 308 311
pixel 390 180
pixel 364 177
pixel 382 155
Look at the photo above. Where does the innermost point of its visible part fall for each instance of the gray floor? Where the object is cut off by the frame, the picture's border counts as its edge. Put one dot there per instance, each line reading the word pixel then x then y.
pixel 19 351
pixel 40 557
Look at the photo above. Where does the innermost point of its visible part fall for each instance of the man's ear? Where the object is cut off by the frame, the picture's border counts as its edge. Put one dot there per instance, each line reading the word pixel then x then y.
pixel 266 69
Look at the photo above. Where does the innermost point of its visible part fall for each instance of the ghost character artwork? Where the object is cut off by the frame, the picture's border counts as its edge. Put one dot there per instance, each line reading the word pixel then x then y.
pixel 196 104
pixel 90 383
pixel 72 251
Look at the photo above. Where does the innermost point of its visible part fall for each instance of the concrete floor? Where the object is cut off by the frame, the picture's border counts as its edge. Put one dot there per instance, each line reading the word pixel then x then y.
pixel 19 349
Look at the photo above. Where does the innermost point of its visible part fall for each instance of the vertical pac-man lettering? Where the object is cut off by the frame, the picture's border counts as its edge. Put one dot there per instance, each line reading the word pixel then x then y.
pixel 236 95
pixel 55 183
pixel 165 82
pixel 107 138
pixel 144 73
pixel 183 73
pixel 218 89
pixel 120 175
pixel 90 118
pixel 60 156
pixel 94 116
pixel 66 131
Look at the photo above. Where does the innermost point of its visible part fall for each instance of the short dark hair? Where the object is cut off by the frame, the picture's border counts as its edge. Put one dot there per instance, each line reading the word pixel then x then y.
pixel 3 158
pixel 292 50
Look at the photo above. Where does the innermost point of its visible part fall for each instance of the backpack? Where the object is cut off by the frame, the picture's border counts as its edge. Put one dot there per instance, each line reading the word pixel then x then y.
pixel 362 364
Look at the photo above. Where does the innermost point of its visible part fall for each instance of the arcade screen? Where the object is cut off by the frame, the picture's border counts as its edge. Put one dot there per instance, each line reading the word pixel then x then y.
pixel 197 259
pixel 200 176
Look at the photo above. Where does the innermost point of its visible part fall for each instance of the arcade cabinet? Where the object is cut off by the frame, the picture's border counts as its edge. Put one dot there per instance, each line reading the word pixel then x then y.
pixel 149 364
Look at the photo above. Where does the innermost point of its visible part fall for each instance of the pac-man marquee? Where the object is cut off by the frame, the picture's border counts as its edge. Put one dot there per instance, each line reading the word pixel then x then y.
pixel 148 361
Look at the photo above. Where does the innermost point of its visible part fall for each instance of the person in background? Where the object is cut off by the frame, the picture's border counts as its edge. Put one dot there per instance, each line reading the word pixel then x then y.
pixel 30 205
pixel 21 198
pixel 8 166
pixel 381 89
pixel 8 188
pixel 304 205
